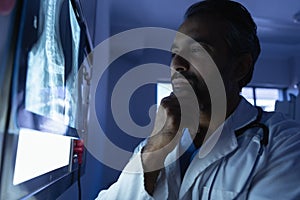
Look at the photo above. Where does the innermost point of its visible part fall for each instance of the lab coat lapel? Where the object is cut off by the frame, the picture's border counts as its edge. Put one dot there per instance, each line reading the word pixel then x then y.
pixel 221 143
pixel 226 144
pixel 173 170
pixel 172 162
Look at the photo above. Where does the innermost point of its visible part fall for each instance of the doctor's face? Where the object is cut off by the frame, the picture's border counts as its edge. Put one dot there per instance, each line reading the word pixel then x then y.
pixel 195 56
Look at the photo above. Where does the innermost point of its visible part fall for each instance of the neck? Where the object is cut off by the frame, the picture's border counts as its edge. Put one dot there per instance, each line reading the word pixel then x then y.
pixel 206 126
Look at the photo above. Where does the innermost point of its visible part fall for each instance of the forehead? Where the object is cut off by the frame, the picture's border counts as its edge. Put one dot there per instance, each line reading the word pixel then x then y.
pixel 205 28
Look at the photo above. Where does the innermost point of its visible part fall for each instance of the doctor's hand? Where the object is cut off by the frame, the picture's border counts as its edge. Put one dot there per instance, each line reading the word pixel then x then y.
pixel 167 130
pixel 165 136
pixel 173 115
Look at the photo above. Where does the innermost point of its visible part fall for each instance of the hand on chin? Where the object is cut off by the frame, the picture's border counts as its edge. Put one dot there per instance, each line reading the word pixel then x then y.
pixel 189 107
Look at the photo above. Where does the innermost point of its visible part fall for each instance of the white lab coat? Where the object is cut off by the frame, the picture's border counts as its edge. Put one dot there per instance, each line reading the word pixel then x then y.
pixel 221 172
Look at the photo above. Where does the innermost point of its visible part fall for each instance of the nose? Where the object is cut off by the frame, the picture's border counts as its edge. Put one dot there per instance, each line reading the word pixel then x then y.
pixel 179 63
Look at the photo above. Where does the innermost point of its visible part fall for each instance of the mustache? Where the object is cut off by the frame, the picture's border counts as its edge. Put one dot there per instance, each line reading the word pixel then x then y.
pixel 187 75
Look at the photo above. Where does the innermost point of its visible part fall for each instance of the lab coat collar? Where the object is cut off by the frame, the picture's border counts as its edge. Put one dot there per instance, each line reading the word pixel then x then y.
pixel 221 143
pixel 223 140
pixel 243 115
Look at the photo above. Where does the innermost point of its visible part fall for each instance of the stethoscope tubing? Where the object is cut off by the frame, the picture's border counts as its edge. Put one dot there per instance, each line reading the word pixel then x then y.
pixel 263 143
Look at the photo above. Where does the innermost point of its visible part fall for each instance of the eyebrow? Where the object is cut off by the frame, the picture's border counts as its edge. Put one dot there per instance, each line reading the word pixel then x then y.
pixel 199 40
pixel 203 41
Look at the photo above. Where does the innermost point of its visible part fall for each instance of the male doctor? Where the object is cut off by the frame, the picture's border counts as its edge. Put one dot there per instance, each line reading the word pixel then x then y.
pixel 196 151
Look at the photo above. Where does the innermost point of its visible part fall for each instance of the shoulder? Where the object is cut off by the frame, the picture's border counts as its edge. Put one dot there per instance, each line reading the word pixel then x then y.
pixel 281 161
pixel 284 136
pixel 280 126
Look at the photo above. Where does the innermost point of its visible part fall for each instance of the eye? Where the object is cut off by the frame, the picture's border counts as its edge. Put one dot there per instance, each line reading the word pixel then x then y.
pixel 195 49
pixel 207 47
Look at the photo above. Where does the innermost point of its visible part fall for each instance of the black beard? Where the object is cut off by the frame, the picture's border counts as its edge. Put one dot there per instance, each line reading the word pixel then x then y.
pixel 198 84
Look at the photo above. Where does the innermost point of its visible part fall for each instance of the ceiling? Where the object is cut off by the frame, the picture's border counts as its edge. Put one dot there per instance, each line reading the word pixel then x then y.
pixel 274 19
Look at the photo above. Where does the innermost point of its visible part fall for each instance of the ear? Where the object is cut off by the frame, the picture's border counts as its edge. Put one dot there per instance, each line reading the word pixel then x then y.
pixel 243 66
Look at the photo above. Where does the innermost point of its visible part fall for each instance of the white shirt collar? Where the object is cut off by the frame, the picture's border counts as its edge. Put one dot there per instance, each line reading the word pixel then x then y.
pixel 223 140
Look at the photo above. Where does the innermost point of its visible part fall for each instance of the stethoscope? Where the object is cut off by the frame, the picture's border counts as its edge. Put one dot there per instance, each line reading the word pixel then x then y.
pixel 263 142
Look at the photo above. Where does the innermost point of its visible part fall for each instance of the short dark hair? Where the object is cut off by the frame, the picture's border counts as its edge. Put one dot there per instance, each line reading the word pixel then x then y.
pixel 242 37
